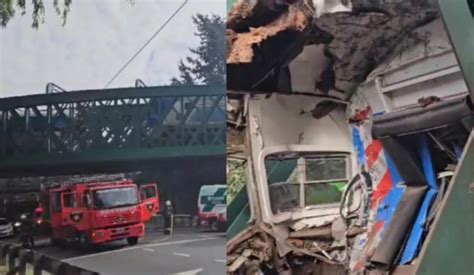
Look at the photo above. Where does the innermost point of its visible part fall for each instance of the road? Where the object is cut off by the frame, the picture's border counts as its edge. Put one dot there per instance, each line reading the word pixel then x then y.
pixel 188 251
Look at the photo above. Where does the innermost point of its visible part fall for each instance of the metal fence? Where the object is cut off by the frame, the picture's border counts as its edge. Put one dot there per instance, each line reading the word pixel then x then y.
pixel 180 220
pixel 17 259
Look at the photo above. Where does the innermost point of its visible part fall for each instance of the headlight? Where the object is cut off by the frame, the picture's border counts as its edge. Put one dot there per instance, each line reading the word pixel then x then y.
pixel 17 224
pixel 97 234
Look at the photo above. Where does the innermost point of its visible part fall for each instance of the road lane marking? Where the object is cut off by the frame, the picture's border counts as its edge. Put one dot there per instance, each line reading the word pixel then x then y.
pixel 190 272
pixel 149 249
pixel 220 261
pixel 138 247
pixel 182 254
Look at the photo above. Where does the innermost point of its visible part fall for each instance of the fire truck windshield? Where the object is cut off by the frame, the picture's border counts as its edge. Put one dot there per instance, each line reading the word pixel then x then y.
pixel 115 197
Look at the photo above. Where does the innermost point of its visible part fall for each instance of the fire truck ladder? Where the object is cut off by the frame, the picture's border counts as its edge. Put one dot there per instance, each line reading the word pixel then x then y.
pixel 88 180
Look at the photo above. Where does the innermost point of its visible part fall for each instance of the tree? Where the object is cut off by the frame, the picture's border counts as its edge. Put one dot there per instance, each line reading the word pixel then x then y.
pixel 207 65
pixel 236 178
pixel 9 7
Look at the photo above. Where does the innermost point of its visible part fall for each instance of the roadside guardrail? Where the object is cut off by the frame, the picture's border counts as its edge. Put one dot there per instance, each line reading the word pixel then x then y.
pixel 16 259
pixel 180 220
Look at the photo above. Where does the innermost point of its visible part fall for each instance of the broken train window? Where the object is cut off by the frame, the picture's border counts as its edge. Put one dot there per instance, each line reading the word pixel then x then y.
pixel 299 180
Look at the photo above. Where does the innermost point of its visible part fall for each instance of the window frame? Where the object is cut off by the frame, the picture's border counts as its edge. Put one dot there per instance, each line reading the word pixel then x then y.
pixel 301 166
pixel 305 182
pixel 71 198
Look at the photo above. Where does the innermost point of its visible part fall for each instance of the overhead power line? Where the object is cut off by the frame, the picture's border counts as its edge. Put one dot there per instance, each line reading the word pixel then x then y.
pixel 147 42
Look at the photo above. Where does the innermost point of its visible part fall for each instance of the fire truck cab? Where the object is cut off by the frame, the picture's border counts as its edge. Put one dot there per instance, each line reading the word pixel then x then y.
pixel 96 211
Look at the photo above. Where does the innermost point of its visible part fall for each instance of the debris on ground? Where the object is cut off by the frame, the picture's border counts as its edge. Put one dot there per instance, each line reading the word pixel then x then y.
pixel 256 249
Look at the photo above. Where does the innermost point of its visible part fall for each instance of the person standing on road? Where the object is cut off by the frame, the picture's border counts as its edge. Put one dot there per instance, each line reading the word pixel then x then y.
pixel 27 231
pixel 168 216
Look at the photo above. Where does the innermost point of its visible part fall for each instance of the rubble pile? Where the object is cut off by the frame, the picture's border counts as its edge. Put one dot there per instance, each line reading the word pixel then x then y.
pixel 263 38
pixel 317 250
pixel 362 39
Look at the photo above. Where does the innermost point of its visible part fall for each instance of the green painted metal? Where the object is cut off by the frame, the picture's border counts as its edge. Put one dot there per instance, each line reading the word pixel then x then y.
pixel 111 94
pixel 98 126
pixel 113 155
pixel 459 22
pixel 449 247
pixel 238 213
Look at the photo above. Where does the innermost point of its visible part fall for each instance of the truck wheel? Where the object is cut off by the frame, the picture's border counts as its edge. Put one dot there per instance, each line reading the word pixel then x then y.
pixel 132 240
pixel 213 224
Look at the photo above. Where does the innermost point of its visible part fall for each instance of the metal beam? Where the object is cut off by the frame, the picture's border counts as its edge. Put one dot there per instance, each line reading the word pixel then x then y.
pixel 105 160
pixel 113 125
pixel 109 94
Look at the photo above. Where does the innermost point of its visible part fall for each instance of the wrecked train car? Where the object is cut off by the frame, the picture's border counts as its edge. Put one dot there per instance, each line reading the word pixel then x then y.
pixel 348 161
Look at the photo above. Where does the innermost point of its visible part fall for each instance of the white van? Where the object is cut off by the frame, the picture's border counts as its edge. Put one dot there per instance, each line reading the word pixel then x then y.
pixel 212 206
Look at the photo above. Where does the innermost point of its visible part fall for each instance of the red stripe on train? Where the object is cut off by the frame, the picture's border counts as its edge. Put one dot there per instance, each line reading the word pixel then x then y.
pixel 372 152
pixel 383 188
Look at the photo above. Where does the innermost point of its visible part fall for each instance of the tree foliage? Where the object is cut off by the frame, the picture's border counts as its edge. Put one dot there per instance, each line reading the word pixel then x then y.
pixel 235 178
pixel 8 9
pixel 207 63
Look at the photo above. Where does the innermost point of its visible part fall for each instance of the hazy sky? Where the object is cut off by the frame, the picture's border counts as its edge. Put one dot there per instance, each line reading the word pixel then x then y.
pixel 99 37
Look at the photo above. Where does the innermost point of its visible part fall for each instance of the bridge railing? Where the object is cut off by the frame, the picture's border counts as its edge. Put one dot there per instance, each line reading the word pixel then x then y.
pixel 16 259
pixel 126 118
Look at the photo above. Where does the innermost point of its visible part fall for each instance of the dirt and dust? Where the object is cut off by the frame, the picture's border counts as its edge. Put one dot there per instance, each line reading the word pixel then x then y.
pixel 248 250
pixel 259 42
pixel 362 40
pixel 235 143
pixel 263 40
pixel 258 250
pixel 241 48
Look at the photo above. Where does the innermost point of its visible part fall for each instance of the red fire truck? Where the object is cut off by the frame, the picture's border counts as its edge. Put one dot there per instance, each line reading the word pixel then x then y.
pixel 98 210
